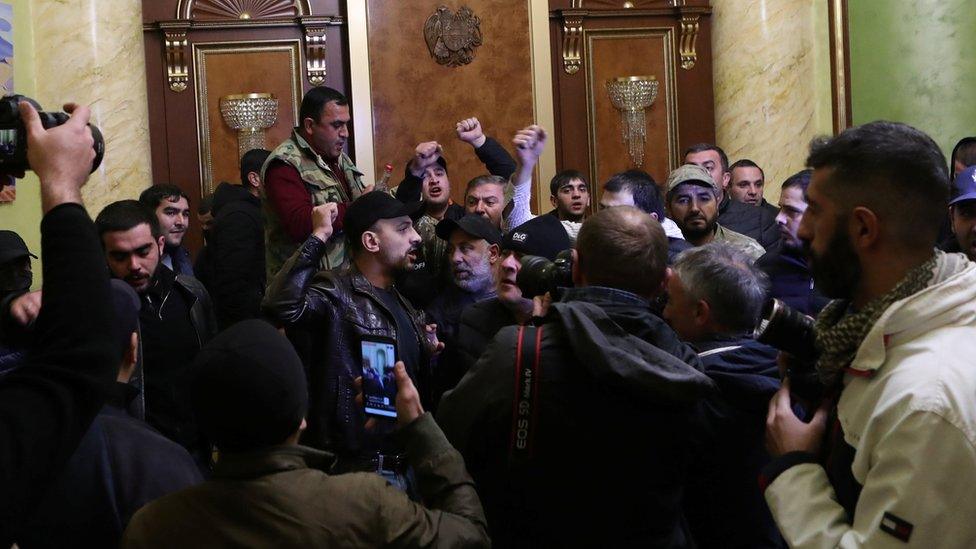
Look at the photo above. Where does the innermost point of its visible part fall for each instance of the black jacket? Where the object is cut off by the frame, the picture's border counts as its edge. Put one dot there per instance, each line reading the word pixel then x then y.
pixel 723 504
pixel 446 311
pixel 790 280
pixel 48 405
pixel 120 465
pixel 479 324
pixel 235 254
pixel 338 308
pixel 614 424
pixel 758 223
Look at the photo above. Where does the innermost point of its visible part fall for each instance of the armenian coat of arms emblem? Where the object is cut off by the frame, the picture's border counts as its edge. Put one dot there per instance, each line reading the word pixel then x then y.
pixel 452 37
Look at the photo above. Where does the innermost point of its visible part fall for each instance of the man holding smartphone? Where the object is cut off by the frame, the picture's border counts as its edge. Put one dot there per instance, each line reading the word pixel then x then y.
pixel 344 307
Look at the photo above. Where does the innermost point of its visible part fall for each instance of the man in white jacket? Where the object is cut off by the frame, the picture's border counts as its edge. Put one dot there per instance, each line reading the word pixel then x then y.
pixel 897 466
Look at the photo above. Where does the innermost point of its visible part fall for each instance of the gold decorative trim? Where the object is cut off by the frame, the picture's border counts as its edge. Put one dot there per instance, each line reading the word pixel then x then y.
pixel 315 54
pixel 689 40
pixel 177 71
pixel 200 53
pixel 670 87
pixel 839 66
pixel 219 24
pixel 572 41
pixel 184 8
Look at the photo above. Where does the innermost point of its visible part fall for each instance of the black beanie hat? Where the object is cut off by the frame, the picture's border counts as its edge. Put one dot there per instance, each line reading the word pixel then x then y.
pixel 249 388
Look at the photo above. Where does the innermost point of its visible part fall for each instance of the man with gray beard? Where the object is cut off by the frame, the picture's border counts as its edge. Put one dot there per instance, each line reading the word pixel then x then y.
pixel 473 247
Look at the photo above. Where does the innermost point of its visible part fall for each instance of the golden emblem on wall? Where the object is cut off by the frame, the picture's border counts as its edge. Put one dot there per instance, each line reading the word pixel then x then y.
pixel 452 37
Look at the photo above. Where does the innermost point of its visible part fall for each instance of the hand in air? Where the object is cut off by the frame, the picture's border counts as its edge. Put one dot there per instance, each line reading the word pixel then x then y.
pixel 469 130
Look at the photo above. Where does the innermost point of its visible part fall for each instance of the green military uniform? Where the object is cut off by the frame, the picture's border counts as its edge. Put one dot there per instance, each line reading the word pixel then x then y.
pixel 739 241
pixel 323 187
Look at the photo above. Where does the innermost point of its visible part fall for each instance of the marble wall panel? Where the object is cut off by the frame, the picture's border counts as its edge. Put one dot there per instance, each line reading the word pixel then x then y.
pixel 772 82
pixel 91 51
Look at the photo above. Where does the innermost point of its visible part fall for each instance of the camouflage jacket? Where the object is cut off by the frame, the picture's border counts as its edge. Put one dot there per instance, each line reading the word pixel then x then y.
pixel 322 187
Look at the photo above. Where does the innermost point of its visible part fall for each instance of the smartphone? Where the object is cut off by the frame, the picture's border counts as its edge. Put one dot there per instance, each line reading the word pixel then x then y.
pixel 379 381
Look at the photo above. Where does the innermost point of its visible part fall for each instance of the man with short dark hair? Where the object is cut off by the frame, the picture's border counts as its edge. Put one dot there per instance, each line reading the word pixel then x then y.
pixel 473 248
pixel 638 188
pixel 569 194
pixel 896 350
pixel 345 305
pixel 759 225
pixel 172 208
pixel 236 249
pixel 693 199
pixel 307 170
pixel 251 397
pixel 746 183
pixel 176 319
pixel 715 296
pixel 592 372
pixel 785 263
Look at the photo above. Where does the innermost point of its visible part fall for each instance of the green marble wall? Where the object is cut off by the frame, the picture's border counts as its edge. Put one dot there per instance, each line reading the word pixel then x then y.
pixel 915 62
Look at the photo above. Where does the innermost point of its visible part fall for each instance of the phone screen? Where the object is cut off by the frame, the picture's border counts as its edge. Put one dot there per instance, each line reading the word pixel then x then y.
pixel 379 382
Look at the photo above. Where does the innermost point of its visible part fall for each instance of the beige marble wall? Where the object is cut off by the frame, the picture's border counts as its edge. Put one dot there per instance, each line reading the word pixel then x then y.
pixel 772 82
pixel 91 51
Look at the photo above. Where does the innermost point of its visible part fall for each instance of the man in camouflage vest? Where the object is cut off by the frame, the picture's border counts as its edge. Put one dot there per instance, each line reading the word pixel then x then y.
pixel 307 170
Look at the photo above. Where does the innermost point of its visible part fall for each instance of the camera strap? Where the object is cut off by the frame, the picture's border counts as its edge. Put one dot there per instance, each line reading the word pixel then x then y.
pixel 525 406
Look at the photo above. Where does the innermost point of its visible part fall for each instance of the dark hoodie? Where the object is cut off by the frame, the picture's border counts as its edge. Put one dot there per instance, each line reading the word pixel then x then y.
pixel 616 417
pixel 236 255
pixel 724 505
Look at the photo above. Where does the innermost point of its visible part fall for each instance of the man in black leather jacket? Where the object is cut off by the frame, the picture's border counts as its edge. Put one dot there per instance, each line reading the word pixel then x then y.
pixel 176 319
pixel 340 307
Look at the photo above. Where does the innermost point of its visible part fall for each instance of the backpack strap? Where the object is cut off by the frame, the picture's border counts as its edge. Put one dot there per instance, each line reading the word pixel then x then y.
pixel 525 405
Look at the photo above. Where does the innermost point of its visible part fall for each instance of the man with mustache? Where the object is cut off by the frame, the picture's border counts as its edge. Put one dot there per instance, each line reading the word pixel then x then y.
pixel 693 198
pixel 898 464
pixel 785 263
pixel 339 308
pixel 307 170
pixel 473 248
pixel 176 319
pixel 172 209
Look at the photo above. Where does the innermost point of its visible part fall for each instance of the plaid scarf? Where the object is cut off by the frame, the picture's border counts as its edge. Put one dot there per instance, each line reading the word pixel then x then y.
pixel 840 331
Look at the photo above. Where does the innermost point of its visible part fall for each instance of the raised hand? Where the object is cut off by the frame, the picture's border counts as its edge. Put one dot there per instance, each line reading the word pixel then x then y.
pixel 469 130
pixel 61 156
pixel 425 155
pixel 529 144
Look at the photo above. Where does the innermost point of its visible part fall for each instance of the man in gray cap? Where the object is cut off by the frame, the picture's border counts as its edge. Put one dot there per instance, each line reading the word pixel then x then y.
pixel 250 395
pixel 693 198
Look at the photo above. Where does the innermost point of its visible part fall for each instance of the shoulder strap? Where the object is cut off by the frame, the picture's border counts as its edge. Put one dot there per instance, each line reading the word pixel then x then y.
pixel 525 410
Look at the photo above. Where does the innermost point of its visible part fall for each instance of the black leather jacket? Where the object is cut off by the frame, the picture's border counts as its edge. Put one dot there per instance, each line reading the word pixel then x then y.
pixel 338 308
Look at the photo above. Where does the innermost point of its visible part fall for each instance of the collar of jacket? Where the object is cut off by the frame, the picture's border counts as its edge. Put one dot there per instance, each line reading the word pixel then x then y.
pixel 344 162
pixel 162 282
pixel 600 295
pixel 266 461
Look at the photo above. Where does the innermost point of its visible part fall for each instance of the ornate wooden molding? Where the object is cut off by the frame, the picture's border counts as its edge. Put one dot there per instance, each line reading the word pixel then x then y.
pixel 315 54
pixel 177 67
pixel 573 40
pixel 689 41
pixel 241 9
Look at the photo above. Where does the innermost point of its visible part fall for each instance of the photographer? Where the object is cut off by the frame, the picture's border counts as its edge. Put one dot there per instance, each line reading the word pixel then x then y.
pixel 47 405
pixel 899 464
pixel 600 459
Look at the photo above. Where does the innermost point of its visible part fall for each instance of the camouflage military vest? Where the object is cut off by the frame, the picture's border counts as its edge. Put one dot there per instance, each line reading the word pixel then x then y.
pixel 322 187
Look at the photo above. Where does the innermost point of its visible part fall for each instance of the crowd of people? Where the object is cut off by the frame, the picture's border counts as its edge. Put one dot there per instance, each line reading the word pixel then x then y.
pixel 682 364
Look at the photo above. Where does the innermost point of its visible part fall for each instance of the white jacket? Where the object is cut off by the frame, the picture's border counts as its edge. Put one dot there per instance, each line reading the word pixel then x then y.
pixel 908 408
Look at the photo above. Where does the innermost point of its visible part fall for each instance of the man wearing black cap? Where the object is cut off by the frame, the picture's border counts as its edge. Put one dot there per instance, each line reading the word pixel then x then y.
pixel 565 425
pixel 543 236
pixel 473 248
pixel 18 305
pixel 339 307
pixel 120 465
pixel 268 491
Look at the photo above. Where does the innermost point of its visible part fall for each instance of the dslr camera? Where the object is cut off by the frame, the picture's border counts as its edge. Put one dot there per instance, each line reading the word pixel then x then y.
pixel 793 332
pixel 13 135
pixel 539 276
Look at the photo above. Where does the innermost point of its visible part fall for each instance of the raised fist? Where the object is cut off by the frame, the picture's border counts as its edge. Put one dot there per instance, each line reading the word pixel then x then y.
pixel 469 130
pixel 529 144
pixel 425 155
pixel 323 216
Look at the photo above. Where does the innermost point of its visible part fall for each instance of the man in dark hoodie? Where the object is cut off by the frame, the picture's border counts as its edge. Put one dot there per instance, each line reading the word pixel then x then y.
pixel 591 449
pixel 236 246
pixel 716 295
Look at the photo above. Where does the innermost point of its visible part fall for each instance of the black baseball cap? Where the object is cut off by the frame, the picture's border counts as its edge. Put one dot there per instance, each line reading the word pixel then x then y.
pixel 473 224
pixel 544 236
pixel 12 247
pixel 373 206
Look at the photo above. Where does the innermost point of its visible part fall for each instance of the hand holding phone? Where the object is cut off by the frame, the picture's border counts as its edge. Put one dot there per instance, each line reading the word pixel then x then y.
pixel 379 378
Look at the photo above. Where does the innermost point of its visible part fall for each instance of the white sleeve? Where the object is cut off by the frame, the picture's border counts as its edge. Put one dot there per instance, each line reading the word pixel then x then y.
pixel 920 483
pixel 520 207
